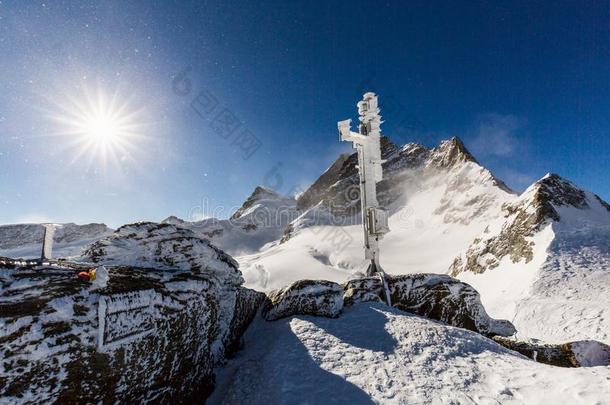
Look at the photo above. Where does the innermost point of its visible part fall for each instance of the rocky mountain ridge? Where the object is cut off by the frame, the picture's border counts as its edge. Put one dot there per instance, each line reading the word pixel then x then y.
pixel 536 207
pixel 334 198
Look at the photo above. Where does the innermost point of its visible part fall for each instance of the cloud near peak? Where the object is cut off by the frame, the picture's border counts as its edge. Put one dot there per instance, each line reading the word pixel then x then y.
pixel 495 135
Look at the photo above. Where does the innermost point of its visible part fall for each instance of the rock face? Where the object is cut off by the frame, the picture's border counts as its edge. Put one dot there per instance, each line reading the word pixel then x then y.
pixel 584 353
pixel 150 335
pixel 366 289
pixel 433 296
pixel 344 166
pixel 535 208
pixel 305 297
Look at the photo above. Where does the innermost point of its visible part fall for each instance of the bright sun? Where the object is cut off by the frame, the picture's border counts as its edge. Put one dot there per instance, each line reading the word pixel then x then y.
pixel 103 129
pixel 99 126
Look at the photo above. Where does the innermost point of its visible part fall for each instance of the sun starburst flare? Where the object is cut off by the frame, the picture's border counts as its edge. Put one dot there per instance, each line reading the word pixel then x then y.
pixel 106 130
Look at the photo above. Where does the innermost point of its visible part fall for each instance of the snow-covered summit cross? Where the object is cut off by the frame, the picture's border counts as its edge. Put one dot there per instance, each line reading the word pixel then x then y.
pixel 368 144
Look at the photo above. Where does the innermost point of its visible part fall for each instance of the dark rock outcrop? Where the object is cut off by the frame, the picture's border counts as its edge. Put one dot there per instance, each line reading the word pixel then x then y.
pixel 364 289
pixel 583 353
pixel 433 296
pixel 305 297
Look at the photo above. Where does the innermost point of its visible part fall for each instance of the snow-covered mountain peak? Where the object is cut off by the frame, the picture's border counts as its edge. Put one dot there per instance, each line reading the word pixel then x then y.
pixel 174 220
pixel 555 190
pixel 524 217
pixel 450 153
pixel 553 198
pixel 262 196
pixel 261 219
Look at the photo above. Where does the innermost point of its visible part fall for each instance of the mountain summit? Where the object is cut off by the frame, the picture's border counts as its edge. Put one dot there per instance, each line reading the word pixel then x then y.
pixel 262 196
pixel 450 153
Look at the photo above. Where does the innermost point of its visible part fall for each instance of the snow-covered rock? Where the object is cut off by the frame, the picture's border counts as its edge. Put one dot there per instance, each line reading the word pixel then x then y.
pixel 304 297
pixel 147 336
pixel 583 353
pixel 445 299
pixel 163 246
pixel 433 296
pixel 363 289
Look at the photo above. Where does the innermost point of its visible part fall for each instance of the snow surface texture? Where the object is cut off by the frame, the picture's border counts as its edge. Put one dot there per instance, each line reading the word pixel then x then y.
pixel 407 359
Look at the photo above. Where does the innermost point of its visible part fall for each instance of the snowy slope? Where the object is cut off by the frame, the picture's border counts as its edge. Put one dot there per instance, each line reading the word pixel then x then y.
pixel 377 354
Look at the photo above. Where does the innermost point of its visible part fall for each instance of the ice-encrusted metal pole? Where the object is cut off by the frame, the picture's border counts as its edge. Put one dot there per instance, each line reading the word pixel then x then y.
pixel 47 242
pixel 368 144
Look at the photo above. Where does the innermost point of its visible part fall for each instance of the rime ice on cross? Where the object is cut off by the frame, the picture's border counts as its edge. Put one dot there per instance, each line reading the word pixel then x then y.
pixel 368 144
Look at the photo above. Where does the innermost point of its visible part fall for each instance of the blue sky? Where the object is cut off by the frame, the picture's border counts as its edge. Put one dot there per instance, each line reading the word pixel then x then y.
pixel 526 86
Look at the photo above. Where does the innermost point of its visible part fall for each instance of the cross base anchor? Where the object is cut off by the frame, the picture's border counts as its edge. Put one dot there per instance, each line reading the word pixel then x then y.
pixel 375 269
